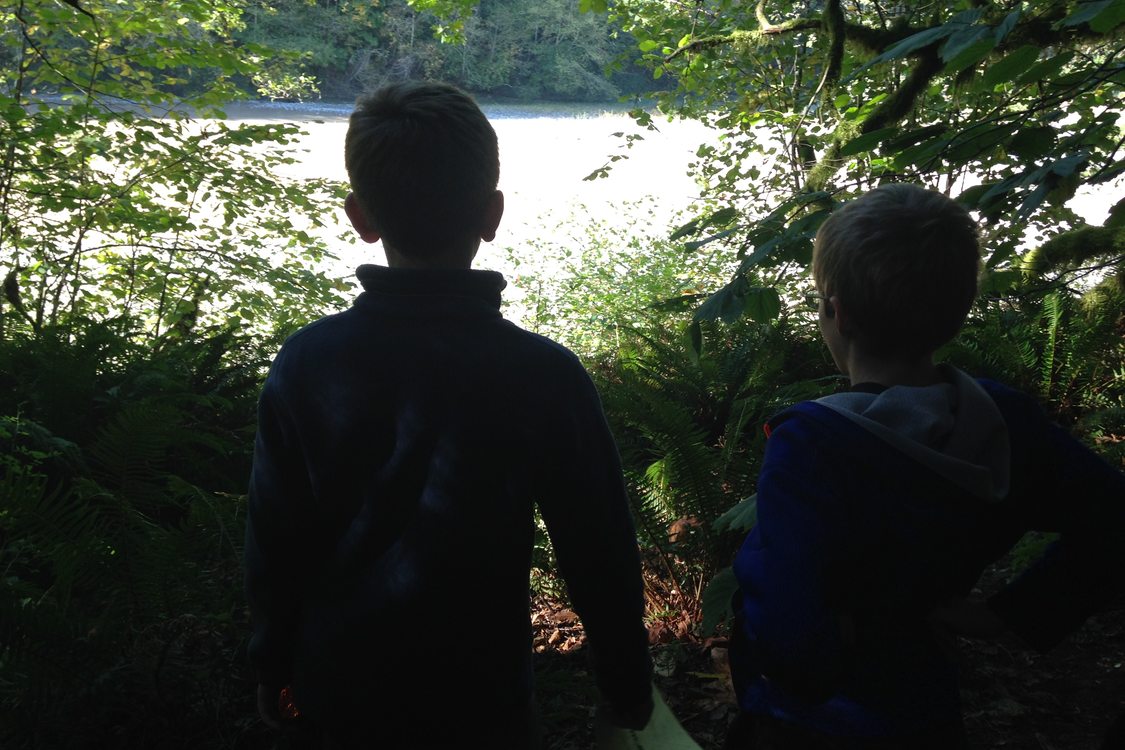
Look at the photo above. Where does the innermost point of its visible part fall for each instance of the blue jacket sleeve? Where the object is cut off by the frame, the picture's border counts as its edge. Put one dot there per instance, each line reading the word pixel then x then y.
pixel 279 488
pixel 1060 485
pixel 583 503
pixel 793 630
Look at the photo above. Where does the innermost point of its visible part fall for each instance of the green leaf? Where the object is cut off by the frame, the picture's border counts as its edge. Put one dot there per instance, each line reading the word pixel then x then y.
pixel 970 198
pixel 1068 165
pixel 695 340
pixel 648 45
pixel 694 245
pixel 1087 12
pixel 964 39
pixel 1116 215
pixel 910 137
pixel 921 153
pixel 1032 143
pixel 692 227
pixel 1011 66
pixel 716 600
pixel 722 217
pixel 999 282
pixel 924 38
pixel 1033 200
pixel 967 145
pixel 741 517
pixel 1005 27
pixel 763 304
pixel 914 43
pixel 867 141
pixel 1046 68
pixel 1110 18
pixel 972 55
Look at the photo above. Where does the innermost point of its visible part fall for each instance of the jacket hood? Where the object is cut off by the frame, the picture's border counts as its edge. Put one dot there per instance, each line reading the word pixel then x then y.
pixel 953 427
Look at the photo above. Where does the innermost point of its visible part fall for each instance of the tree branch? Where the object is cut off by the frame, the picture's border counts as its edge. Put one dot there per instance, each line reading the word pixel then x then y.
pixel 834 21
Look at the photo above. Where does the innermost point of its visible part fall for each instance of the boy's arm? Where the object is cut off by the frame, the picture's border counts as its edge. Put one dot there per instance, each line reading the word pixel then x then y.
pixel 278 484
pixel 1069 490
pixel 583 502
pixel 795 637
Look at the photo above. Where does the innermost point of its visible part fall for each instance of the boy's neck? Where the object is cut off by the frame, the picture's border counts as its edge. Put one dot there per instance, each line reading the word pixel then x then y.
pixel 891 372
pixel 452 261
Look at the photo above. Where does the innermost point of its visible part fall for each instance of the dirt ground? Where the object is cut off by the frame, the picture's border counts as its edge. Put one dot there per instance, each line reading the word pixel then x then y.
pixel 1014 698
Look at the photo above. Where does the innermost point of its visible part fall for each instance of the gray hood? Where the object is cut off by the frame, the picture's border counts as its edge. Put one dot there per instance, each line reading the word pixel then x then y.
pixel 954 428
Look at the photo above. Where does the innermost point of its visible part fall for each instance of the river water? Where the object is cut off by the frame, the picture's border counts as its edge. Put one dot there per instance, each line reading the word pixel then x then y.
pixel 545 152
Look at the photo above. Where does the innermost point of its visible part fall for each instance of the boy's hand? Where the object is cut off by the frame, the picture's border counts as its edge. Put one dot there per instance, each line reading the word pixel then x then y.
pixel 268 705
pixel 972 619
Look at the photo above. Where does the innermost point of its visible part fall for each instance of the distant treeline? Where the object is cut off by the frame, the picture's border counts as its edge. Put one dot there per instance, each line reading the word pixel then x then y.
pixel 546 50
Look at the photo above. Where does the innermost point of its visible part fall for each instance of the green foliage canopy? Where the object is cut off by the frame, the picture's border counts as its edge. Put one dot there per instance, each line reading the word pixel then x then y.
pixel 116 201
pixel 1010 107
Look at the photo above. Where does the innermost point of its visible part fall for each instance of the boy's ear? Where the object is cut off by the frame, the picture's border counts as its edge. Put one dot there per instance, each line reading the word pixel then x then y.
pixel 840 316
pixel 493 212
pixel 359 219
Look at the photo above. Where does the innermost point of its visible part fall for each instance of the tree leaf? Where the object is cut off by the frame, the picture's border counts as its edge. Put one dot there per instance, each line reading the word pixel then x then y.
pixel 1005 27
pixel 718 306
pixel 1032 143
pixel 910 137
pixel 1087 12
pixel 970 198
pixel 696 244
pixel 741 517
pixel 762 304
pixel 972 55
pixel 1116 215
pixel 695 340
pixel 962 40
pixel 999 282
pixel 691 227
pixel 908 45
pixel 1033 201
pixel 1069 164
pixel 1046 68
pixel 867 141
pixel 1109 19
pixel 722 217
pixel 716 600
pixel 1011 66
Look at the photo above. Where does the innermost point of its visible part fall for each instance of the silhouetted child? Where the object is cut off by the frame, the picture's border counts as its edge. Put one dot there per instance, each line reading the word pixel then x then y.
pixel 402 446
pixel 879 508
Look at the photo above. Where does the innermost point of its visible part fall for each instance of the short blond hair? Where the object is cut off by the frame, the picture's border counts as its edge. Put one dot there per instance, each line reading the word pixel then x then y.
pixel 904 261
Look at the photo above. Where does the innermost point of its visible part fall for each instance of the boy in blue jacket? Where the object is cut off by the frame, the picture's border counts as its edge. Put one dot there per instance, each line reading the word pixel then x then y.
pixel 879 507
pixel 402 446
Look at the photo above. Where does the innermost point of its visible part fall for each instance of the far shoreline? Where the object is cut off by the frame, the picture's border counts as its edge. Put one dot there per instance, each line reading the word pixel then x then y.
pixel 339 111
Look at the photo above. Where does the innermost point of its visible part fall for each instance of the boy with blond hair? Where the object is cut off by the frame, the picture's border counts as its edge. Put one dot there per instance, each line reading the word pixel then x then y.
pixel 879 507
pixel 402 446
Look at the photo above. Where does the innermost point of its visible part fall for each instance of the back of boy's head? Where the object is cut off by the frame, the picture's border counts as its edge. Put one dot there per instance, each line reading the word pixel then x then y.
pixel 903 261
pixel 423 163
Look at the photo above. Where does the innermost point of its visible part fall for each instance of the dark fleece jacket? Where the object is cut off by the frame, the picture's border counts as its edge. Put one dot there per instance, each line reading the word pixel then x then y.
pixel 401 447
pixel 873 508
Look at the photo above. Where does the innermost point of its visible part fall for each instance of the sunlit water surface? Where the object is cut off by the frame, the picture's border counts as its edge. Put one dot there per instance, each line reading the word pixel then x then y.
pixel 546 151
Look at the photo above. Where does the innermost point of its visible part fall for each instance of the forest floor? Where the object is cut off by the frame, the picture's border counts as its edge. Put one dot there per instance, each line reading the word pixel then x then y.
pixel 1013 698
